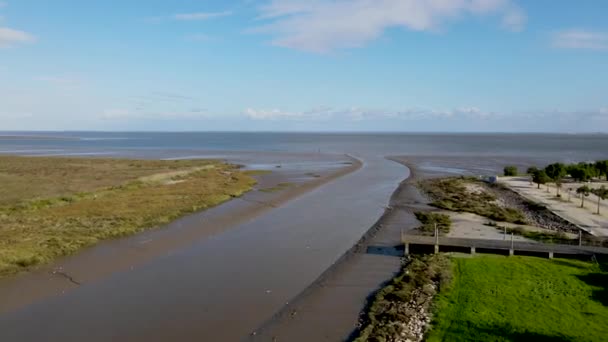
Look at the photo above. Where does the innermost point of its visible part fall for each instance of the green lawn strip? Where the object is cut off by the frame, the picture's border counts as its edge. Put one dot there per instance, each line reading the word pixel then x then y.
pixel 495 298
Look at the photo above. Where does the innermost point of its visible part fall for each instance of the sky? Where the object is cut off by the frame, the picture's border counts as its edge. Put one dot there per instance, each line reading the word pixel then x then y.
pixel 304 65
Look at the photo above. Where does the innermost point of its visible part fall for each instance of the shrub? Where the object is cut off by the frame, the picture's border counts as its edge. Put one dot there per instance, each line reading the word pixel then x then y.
pixel 510 171
pixel 429 220
pixel 531 170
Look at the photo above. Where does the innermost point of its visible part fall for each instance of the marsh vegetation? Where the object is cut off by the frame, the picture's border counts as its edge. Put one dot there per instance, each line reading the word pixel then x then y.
pixel 52 207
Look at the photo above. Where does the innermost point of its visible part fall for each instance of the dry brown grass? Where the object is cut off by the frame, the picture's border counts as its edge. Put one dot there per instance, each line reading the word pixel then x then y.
pixel 51 207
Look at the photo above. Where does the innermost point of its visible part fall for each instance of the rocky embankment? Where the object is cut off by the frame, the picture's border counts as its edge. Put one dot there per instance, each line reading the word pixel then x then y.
pixel 402 311
pixel 535 214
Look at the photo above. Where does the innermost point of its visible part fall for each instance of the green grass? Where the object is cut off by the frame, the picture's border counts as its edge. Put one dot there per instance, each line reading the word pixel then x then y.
pixel 495 298
pixel 429 220
pixel 452 194
pixel 546 237
pixel 52 207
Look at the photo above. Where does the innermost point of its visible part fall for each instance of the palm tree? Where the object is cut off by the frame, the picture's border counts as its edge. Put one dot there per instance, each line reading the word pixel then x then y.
pixel 584 191
pixel 601 194
pixel 558 186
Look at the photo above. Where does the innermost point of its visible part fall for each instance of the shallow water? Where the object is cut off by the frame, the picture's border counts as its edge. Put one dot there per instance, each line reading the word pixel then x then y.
pixel 221 288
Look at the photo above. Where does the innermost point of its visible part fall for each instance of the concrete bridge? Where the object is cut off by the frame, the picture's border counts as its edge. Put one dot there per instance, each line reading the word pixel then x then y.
pixel 436 244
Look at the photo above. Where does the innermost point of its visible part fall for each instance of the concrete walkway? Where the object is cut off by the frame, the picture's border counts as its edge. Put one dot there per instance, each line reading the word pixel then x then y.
pixel 586 218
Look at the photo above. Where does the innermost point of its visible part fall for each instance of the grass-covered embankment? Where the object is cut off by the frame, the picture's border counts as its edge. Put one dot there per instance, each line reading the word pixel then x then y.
pixel 52 207
pixel 495 298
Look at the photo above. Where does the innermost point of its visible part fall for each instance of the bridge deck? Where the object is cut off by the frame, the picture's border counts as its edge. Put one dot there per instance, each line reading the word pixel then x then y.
pixel 502 245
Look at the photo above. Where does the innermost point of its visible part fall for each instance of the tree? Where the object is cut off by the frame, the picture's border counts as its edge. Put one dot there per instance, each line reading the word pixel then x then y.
pixel 579 172
pixel 601 194
pixel 583 191
pixel 510 171
pixel 556 172
pixel 558 186
pixel 531 170
pixel 540 177
pixel 602 168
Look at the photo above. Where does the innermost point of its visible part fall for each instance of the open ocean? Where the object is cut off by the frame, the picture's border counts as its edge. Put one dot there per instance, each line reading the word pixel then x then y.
pixel 559 147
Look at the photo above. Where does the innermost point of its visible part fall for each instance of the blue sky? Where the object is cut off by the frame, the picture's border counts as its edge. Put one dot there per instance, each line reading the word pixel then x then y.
pixel 304 65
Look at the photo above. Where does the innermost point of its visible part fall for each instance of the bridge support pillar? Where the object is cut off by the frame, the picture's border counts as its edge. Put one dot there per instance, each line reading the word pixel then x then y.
pixel 406 249
pixel 550 255
pixel 511 252
pixel 472 250
pixel 436 249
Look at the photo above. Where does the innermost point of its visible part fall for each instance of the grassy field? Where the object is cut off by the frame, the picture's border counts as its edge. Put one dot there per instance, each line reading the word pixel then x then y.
pixel 51 207
pixel 495 298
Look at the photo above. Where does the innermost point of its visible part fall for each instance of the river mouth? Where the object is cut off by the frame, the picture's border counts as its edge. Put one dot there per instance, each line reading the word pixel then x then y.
pixel 188 278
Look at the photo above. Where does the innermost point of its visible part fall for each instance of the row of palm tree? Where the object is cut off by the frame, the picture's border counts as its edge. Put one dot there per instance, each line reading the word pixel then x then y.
pixel 585 191
pixel 554 173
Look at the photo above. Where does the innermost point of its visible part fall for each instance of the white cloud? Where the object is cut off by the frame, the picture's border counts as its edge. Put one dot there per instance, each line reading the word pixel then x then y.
pixel 360 114
pixel 200 15
pixel 60 80
pixel 15 116
pixel 10 37
pixel 514 19
pixel 199 37
pixel 581 39
pixel 116 114
pixel 127 114
pixel 325 25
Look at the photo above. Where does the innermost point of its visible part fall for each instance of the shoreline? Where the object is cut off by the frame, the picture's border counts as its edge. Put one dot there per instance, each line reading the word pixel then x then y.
pixel 299 319
pixel 126 254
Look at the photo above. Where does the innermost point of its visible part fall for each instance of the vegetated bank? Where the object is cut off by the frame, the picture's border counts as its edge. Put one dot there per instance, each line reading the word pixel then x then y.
pixel 402 310
pixel 52 207
pixel 493 201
